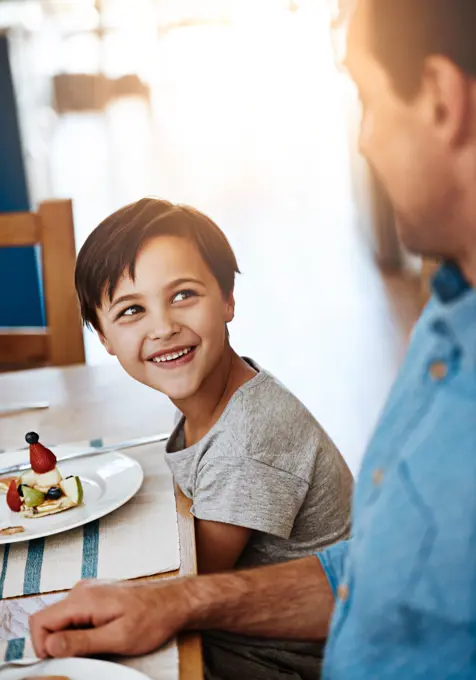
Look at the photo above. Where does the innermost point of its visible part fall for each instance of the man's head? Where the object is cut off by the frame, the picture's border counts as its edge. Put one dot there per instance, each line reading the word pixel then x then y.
pixel 414 63
pixel 156 281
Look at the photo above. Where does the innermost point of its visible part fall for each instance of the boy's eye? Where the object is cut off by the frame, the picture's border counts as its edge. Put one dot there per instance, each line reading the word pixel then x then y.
pixel 183 295
pixel 131 311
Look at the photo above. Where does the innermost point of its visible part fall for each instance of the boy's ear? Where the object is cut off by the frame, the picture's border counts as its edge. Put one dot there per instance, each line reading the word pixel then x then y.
pixel 230 308
pixel 106 345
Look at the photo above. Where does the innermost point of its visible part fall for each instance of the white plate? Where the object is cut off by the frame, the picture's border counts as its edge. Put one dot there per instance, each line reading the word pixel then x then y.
pixel 76 669
pixel 109 480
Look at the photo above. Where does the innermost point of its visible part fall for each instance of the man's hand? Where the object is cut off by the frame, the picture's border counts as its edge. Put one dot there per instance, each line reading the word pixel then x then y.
pixel 292 601
pixel 124 618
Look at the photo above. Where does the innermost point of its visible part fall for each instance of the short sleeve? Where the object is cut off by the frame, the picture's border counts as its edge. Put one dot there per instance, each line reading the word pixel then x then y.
pixel 247 492
pixel 333 562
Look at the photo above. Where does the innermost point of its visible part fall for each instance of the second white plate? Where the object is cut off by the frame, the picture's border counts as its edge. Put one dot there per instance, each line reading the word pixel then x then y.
pixel 76 669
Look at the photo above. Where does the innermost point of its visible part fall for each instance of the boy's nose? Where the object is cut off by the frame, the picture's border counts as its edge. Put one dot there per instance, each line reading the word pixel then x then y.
pixel 163 328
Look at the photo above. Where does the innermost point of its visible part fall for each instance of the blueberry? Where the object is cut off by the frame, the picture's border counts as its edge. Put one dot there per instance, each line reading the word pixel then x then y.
pixel 20 490
pixel 32 438
pixel 54 493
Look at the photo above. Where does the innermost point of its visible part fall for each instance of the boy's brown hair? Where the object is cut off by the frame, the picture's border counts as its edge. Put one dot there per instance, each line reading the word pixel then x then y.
pixel 113 247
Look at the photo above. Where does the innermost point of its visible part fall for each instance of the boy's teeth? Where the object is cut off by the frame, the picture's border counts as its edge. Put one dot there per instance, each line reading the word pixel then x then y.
pixel 170 357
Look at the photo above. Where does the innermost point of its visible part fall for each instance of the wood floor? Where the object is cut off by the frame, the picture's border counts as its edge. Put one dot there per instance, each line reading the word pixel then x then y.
pixel 259 143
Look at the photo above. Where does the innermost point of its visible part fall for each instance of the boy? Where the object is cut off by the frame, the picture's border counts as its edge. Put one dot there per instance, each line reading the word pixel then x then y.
pixel 156 281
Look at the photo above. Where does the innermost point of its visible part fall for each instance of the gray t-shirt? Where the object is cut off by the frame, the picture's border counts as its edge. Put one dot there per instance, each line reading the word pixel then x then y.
pixel 269 466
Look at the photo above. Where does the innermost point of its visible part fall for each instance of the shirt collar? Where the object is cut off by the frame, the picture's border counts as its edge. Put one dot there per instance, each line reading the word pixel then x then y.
pixel 449 283
pixel 454 308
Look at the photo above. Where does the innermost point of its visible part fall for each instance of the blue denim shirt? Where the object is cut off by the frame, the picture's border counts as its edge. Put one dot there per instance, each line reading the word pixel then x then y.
pixel 405 584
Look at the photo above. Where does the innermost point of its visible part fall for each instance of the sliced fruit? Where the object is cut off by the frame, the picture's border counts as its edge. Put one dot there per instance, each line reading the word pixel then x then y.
pixel 73 488
pixel 46 481
pixel 41 459
pixel 28 478
pixel 14 501
pixel 5 483
pixel 32 497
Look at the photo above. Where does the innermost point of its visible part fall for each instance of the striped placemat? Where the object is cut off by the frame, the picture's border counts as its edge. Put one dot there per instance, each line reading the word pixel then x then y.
pixel 139 539
pixel 16 649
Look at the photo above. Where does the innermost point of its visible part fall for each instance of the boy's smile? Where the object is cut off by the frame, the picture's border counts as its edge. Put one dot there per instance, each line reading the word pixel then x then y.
pixel 167 327
pixel 177 356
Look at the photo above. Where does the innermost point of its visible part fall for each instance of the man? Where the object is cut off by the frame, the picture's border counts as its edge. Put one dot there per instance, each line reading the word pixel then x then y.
pixel 402 593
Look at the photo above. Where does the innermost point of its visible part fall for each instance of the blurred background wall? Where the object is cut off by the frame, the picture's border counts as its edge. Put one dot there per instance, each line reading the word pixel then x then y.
pixel 236 107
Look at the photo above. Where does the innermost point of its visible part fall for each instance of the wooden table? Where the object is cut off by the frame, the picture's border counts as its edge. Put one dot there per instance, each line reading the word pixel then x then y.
pixel 92 402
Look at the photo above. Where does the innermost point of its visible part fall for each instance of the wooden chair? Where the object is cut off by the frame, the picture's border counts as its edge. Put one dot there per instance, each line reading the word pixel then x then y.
pixel 61 342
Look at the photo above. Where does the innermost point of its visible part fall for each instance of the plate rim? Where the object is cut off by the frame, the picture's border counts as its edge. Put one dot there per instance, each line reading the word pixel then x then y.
pixel 21 538
pixel 135 674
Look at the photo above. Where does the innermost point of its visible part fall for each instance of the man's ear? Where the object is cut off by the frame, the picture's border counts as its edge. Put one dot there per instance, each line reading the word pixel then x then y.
pixel 106 344
pixel 447 92
pixel 230 308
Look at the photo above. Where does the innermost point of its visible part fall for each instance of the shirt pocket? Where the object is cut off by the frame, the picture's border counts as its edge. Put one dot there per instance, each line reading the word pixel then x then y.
pixel 420 557
pixel 393 558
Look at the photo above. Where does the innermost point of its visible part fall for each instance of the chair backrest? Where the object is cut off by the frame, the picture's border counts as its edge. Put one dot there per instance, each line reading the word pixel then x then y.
pixel 61 342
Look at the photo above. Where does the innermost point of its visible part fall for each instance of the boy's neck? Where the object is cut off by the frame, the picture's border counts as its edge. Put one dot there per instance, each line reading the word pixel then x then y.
pixel 204 409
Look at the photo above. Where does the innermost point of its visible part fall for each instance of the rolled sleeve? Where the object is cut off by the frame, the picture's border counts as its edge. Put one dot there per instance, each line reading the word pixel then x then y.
pixel 333 562
pixel 248 493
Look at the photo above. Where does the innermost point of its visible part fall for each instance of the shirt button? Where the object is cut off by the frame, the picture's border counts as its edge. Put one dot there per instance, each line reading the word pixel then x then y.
pixel 439 370
pixel 377 477
pixel 343 592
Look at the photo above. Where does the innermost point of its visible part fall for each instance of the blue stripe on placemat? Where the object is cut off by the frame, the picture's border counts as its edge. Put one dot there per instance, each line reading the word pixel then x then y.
pixel 89 568
pixel 34 562
pixel 15 649
pixel 6 552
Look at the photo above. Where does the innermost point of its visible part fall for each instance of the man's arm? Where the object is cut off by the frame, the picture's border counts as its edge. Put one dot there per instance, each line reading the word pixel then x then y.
pixel 291 601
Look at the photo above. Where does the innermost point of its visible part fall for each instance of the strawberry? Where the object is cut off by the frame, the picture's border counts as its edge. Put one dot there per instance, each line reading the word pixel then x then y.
pixel 41 459
pixel 14 501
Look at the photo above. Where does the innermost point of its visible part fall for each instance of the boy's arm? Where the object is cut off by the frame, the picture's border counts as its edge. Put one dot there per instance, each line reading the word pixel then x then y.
pixel 219 545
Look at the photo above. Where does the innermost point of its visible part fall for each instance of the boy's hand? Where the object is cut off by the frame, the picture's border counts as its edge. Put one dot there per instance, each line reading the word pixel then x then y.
pixel 127 619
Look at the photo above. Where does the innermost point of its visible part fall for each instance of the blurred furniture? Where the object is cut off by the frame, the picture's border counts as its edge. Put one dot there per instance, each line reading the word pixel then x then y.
pixel 80 92
pixel 22 306
pixel 94 91
pixel 61 342
pixel 93 401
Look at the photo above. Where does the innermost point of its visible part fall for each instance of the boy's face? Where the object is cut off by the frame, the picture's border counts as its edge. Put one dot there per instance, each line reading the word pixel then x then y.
pixel 167 328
